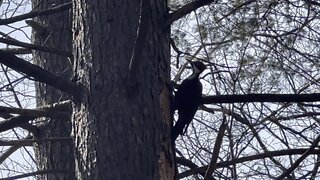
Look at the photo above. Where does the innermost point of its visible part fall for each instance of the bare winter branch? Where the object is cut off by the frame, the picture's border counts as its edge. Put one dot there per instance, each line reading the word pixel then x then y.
pixel 216 150
pixel 32 14
pixel 14 122
pixel 8 152
pixel 35 47
pixel 298 161
pixel 31 112
pixel 48 171
pixel 247 158
pixel 313 97
pixel 17 50
pixel 186 9
pixel 39 74
pixel 30 142
pixel 55 110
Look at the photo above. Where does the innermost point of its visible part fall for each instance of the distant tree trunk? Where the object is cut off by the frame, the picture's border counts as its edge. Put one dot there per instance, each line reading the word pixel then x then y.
pixel 122 121
pixel 56 33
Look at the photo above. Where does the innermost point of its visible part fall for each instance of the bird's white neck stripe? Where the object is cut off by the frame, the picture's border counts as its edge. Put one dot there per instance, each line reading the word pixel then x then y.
pixel 195 73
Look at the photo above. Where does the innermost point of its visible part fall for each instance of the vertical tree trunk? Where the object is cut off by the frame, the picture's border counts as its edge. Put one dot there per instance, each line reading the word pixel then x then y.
pixel 122 123
pixel 55 33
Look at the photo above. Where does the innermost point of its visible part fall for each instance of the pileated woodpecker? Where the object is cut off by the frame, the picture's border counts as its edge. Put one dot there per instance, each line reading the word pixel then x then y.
pixel 187 99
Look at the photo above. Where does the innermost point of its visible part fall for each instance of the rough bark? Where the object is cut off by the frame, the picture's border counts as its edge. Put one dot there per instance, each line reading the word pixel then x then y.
pixel 54 32
pixel 122 123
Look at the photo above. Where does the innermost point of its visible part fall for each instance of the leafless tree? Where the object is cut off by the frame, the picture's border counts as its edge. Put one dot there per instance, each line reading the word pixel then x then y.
pixel 100 107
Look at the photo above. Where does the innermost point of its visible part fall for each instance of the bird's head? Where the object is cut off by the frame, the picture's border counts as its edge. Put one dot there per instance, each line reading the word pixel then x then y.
pixel 198 66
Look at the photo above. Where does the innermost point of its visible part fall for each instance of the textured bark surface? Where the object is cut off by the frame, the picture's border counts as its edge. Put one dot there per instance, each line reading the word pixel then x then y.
pixel 53 155
pixel 121 128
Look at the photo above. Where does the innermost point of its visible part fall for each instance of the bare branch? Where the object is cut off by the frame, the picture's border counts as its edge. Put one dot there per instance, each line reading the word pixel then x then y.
pixel 8 152
pixel 35 47
pixel 298 161
pixel 17 50
pixel 14 122
pixel 245 159
pixel 11 150
pixel 32 14
pixel 64 106
pixel 31 112
pixel 313 2
pixel 216 150
pixel 313 97
pixel 48 171
pixel 29 141
pixel 186 9
pixel 55 110
pixel 191 165
pixel 39 74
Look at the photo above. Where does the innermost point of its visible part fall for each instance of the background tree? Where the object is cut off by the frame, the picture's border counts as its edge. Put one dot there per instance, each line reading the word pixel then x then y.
pixel 150 111
pixel 121 123
pixel 53 31
pixel 260 118
pixel 264 47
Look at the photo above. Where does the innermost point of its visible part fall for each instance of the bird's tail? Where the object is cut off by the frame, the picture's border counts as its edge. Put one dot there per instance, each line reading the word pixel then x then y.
pixel 177 129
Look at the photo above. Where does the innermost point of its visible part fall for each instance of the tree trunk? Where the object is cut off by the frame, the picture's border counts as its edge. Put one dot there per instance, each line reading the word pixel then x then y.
pixel 122 122
pixel 55 32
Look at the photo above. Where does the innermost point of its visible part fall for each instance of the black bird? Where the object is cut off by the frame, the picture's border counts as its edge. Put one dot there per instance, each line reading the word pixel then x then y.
pixel 187 99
